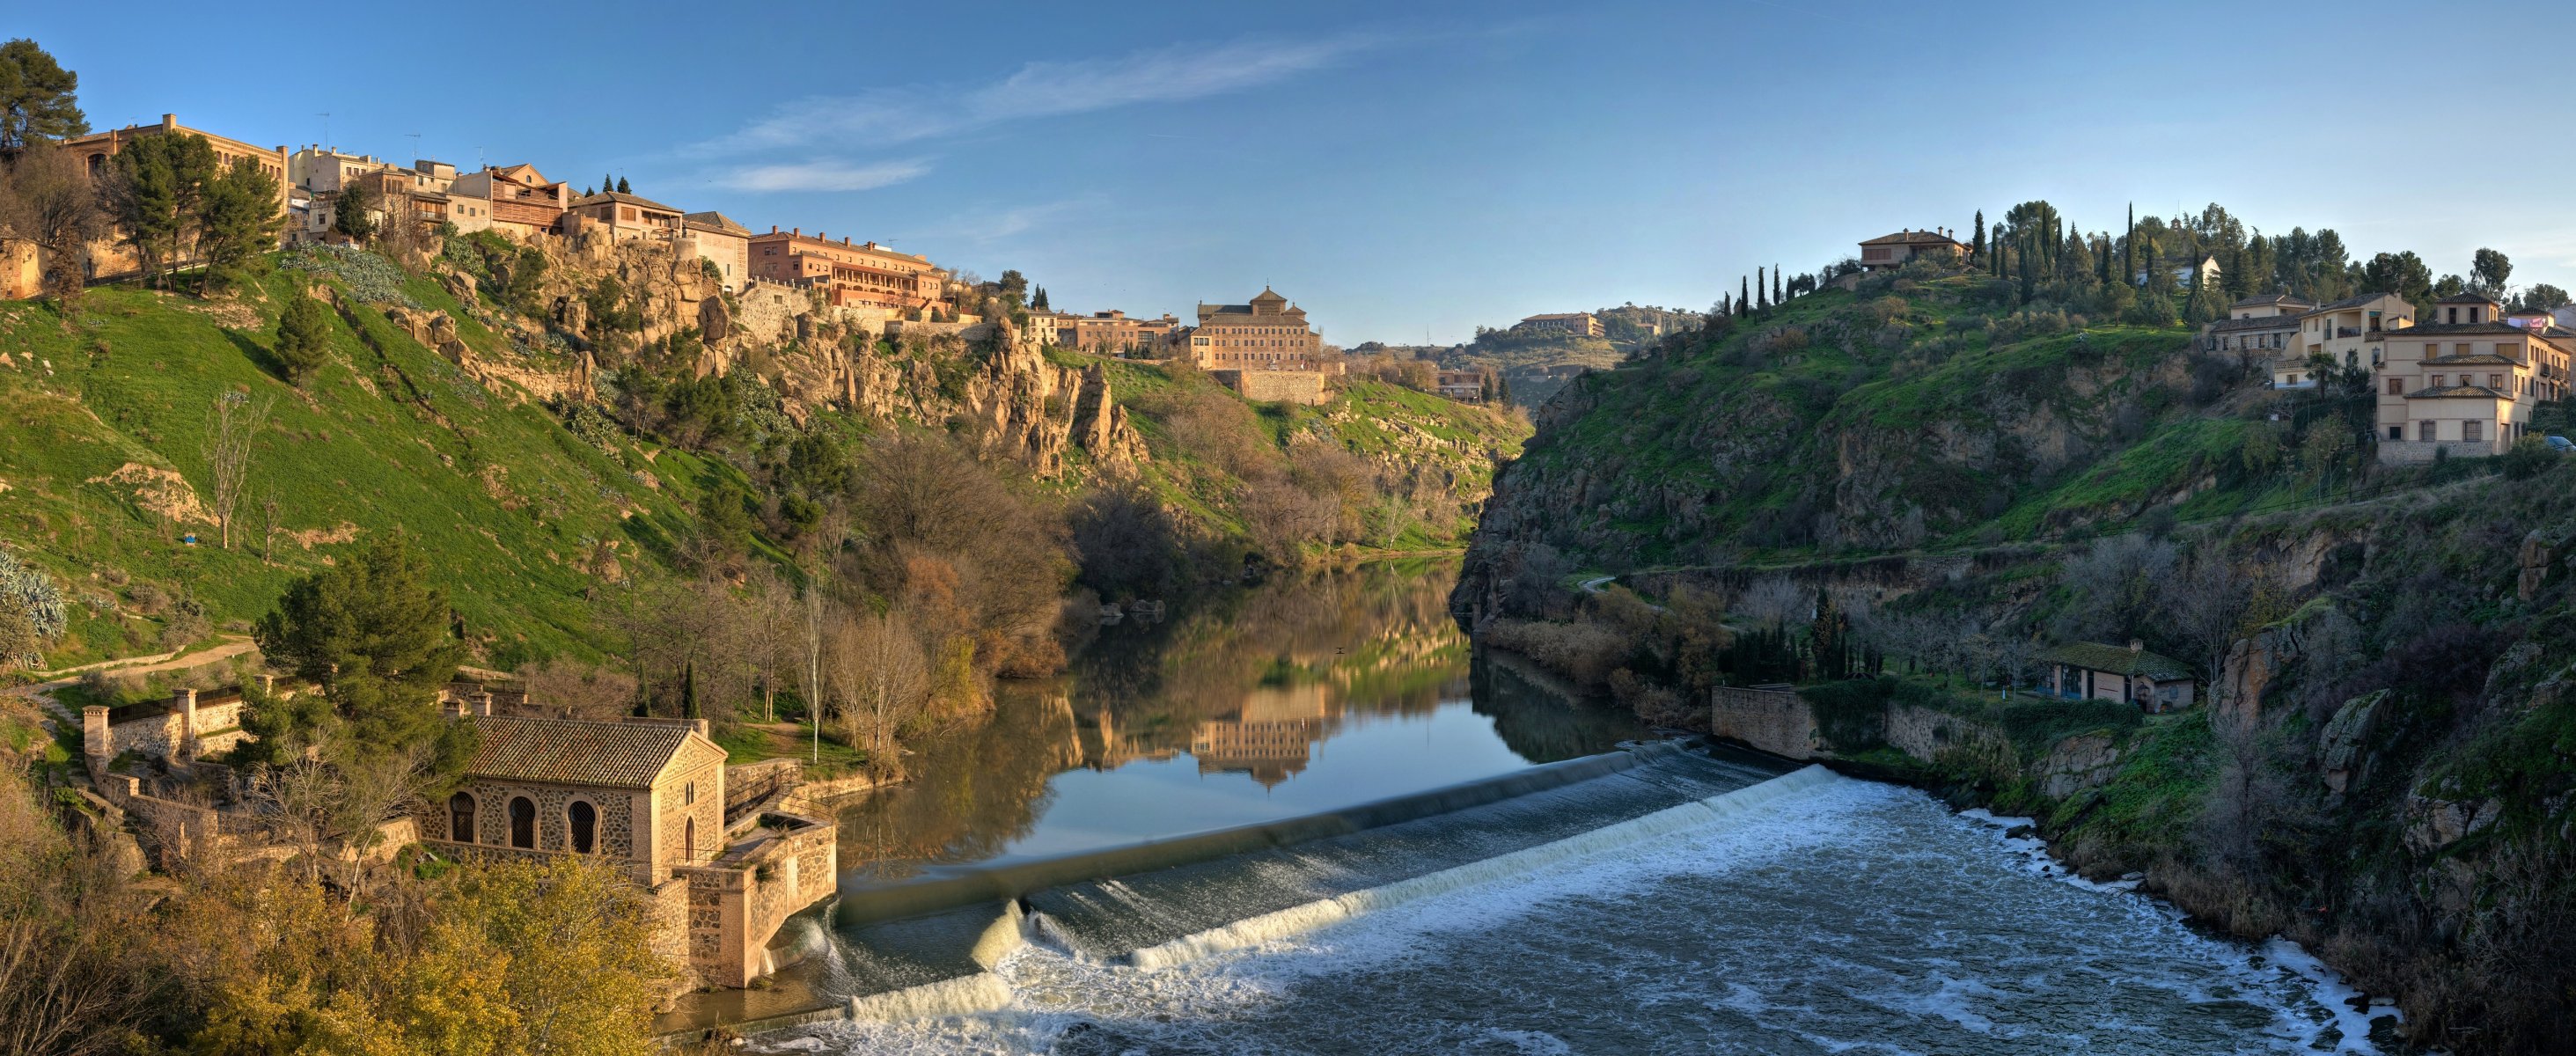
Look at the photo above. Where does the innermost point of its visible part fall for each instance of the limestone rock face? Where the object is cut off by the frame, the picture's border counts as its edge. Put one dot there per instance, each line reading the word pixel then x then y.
pixel 2345 744
pixel 2434 823
pixel 2540 549
pixel 2252 665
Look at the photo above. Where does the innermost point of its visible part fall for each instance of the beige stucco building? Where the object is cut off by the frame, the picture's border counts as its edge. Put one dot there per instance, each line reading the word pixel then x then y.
pixel 2351 331
pixel 1109 333
pixel 2267 326
pixel 2097 671
pixel 519 200
pixel 716 239
pixel 2466 384
pixel 1267 333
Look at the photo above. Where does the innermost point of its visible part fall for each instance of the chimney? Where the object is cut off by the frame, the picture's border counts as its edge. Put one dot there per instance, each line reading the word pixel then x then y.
pixel 698 726
pixel 773 229
pixel 798 231
pixel 169 122
pixel 2137 645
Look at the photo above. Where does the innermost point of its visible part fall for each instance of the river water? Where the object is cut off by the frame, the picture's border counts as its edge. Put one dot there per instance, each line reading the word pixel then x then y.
pixel 1687 903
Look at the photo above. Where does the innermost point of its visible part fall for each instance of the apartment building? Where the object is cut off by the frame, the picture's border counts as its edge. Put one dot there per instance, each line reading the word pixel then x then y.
pixel 1110 332
pixel 849 274
pixel 2352 330
pixel 514 200
pixel 2465 384
pixel 2266 326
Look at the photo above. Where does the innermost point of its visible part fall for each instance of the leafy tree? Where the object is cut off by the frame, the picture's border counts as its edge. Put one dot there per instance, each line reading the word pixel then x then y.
pixel 2544 296
pixel 39 99
pixel 154 194
pixel 303 338
pixel 525 280
pixel 2489 269
pixel 349 214
pixel 2449 286
pixel 374 632
pixel 2403 274
pixel 239 225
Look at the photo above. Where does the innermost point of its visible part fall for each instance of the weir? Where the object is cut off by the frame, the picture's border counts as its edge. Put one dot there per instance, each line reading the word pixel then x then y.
pixel 926 947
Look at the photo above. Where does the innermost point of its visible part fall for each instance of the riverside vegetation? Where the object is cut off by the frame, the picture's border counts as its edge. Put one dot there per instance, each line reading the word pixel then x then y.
pixel 1894 495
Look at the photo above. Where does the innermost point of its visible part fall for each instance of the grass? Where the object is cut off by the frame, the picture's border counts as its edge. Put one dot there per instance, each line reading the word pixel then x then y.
pixel 488 484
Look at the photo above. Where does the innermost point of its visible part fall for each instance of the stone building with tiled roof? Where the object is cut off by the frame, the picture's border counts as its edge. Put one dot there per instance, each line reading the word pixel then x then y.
pixel 1889 251
pixel 2096 671
pixel 2267 326
pixel 2466 383
pixel 716 239
pixel 649 794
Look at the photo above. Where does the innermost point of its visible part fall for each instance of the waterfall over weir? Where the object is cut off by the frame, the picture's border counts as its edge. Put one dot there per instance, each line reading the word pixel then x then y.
pixel 925 948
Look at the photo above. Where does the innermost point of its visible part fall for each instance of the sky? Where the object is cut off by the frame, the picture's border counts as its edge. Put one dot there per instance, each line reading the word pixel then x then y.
pixel 1410 171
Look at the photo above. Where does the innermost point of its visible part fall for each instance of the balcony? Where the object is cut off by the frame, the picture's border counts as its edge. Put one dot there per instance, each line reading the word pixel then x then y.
pixel 2347 331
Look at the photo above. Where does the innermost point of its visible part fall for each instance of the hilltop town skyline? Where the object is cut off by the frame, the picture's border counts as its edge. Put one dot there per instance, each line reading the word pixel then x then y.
pixel 1520 161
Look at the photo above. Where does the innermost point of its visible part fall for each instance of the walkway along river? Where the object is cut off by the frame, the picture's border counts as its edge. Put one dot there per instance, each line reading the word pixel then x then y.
pixel 1309 820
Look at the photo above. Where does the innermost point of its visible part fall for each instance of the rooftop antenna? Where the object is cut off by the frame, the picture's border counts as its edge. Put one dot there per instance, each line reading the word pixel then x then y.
pixel 326 127
pixel 415 146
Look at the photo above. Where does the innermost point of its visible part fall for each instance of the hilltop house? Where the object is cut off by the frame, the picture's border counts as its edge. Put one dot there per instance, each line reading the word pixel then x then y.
pixel 522 202
pixel 1465 386
pixel 850 275
pixel 2095 671
pixel 1888 251
pixel 22 266
pixel 2467 384
pixel 2205 271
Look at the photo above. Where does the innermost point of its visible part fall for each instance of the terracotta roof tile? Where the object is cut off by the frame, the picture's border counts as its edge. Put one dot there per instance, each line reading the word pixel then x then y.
pixel 573 752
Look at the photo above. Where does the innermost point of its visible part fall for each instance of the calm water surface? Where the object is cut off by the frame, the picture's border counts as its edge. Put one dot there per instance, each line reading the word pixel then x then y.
pixel 1308 693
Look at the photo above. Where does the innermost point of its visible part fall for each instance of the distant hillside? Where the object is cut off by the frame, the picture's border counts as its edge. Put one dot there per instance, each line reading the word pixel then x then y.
pixel 534 461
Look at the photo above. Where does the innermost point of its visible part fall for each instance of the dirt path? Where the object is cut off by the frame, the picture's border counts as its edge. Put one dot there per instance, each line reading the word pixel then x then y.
pixel 229 648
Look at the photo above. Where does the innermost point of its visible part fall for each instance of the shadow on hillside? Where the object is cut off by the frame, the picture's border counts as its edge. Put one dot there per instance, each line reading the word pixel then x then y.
pixel 260 357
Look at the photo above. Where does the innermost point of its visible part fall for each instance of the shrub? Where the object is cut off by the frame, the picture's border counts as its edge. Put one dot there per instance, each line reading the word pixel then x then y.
pixel 2529 458
pixel 1583 651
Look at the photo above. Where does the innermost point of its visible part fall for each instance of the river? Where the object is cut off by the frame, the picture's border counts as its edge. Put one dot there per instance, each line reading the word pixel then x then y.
pixel 1654 900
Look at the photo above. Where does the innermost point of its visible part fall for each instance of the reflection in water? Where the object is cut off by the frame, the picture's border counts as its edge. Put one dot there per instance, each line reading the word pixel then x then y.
pixel 1304 694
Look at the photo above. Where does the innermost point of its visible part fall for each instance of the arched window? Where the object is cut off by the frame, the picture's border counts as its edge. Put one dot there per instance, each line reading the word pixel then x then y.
pixel 689 841
pixel 460 818
pixel 583 819
pixel 523 822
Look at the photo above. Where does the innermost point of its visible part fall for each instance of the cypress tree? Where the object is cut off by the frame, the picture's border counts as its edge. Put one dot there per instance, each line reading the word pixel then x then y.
pixel 1743 294
pixel 2129 247
pixel 1777 296
pixel 1978 243
pixel 1761 293
pixel 689 690
pixel 622 188
pixel 607 184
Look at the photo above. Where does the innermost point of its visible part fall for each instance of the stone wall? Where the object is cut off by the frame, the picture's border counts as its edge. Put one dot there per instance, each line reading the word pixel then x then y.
pixel 736 905
pixel 1770 720
pixel 615 835
pixel 1266 386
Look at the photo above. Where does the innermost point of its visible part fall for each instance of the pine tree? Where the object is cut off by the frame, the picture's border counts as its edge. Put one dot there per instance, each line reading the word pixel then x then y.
pixel 607 184
pixel 1503 388
pixel 349 215
pixel 622 188
pixel 303 338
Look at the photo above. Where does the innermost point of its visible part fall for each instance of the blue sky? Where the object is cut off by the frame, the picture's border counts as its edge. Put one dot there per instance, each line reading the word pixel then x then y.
pixel 1403 169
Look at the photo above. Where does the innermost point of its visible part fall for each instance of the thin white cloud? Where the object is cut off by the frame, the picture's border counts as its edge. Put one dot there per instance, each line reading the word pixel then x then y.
pixel 886 116
pixel 826 175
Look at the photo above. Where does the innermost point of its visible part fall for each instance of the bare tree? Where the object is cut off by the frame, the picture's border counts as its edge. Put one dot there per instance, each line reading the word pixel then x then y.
pixel 374 787
pixel 47 202
pixel 880 679
pixel 299 800
pixel 272 515
pixel 231 430
pixel 571 689
pixel 1773 600
pixel 2209 605
pixel 771 610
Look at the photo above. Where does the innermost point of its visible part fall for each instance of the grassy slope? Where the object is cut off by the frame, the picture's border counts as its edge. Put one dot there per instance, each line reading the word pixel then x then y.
pixel 508 505
pixel 1940 379
pixel 505 503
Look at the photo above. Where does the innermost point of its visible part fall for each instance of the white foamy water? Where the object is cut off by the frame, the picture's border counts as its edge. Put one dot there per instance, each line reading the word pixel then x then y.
pixel 1839 917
